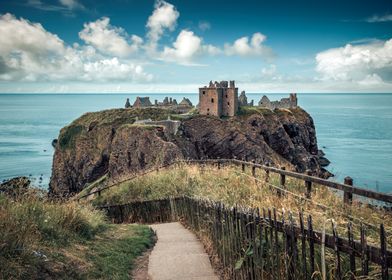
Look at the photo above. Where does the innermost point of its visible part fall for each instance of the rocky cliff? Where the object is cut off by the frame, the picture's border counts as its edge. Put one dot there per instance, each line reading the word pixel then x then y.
pixel 110 142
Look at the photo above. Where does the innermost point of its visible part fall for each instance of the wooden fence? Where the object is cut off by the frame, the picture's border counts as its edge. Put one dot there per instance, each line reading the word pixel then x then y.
pixel 261 244
pixel 347 187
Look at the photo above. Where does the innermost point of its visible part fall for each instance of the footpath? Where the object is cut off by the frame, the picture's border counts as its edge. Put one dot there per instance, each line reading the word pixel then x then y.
pixel 178 254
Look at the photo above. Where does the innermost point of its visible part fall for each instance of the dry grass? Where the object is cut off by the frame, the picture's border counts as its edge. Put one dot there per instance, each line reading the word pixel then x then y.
pixel 232 187
pixel 42 239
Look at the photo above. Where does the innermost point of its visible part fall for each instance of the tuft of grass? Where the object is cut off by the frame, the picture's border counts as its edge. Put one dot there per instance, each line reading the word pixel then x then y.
pixel 42 239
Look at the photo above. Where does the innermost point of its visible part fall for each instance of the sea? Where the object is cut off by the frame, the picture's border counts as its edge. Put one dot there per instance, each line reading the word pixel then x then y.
pixel 354 131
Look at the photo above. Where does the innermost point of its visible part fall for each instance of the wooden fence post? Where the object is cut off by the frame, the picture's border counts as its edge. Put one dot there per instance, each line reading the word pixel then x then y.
pixel 338 273
pixel 282 181
pixel 254 168
pixel 267 173
pixel 384 259
pixel 364 252
pixel 311 245
pixel 243 165
pixel 352 250
pixel 219 163
pixel 308 185
pixel 348 196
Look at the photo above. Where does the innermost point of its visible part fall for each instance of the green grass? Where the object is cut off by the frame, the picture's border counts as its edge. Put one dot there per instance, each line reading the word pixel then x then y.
pixel 250 110
pixel 67 139
pixel 112 254
pixel 41 239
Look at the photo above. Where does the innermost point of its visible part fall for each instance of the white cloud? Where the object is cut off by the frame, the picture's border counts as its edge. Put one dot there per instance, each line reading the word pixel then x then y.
pixel 204 25
pixel 378 18
pixel 113 69
pixel 164 16
pixel 72 4
pixel 109 39
pixel 30 53
pixel 186 46
pixel 356 62
pixel 245 47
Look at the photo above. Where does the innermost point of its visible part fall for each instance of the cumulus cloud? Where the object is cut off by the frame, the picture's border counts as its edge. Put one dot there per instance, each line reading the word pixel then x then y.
pixel 249 47
pixel 30 53
pixel 372 61
pixel 164 16
pixel 186 47
pixel 378 18
pixel 110 39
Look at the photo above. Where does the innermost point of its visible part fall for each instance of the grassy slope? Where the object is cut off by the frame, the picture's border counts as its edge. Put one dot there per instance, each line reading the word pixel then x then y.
pixel 42 239
pixel 232 187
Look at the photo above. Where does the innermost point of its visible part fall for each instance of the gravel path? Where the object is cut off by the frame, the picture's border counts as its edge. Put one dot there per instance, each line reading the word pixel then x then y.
pixel 178 254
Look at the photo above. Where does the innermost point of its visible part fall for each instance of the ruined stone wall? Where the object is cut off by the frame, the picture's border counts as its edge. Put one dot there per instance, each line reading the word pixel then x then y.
pixel 284 103
pixel 230 102
pixel 210 101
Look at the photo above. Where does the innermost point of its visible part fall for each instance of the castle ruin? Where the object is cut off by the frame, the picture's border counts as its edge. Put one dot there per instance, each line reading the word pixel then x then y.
pixel 218 99
pixel 284 103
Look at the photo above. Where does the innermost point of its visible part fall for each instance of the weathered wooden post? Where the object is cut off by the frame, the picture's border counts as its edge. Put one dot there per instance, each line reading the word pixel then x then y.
pixel 254 168
pixel 348 195
pixel 283 177
pixel 384 259
pixel 219 163
pixel 267 173
pixel 243 165
pixel 308 185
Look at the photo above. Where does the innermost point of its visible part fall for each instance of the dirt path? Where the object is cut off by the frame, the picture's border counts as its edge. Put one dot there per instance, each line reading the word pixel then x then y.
pixel 178 254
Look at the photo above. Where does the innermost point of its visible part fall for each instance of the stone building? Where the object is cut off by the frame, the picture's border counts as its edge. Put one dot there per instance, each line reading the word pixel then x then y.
pixel 284 103
pixel 142 102
pixel 218 99
pixel 243 100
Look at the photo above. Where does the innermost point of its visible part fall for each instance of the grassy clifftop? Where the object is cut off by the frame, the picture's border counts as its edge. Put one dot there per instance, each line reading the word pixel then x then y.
pixel 113 118
pixel 232 187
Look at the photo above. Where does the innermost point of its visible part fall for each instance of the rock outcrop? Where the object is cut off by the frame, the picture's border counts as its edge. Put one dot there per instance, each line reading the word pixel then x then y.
pixel 15 187
pixel 109 142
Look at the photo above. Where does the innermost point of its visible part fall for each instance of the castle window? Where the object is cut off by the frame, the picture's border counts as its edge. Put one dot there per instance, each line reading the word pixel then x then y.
pixel 226 95
pixel 228 103
pixel 212 100
pixel 204 92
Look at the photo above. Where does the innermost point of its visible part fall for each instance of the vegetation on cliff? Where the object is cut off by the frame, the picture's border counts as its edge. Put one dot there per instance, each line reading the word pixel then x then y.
pixel 109 143
pixel 41 239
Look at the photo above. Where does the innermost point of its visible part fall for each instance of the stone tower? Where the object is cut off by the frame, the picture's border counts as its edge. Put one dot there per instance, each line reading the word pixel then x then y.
pixel 218 99
pixel 293 100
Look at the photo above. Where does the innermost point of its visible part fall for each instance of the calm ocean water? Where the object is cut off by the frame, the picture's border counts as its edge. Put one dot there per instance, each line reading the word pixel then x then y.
pixel 354 130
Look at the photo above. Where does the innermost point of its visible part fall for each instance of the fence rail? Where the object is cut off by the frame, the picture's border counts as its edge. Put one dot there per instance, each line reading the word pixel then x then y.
pixel 348 188
pixel 258 244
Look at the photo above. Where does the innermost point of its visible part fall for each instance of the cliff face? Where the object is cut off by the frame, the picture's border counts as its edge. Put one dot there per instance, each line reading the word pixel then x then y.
pixel 110 142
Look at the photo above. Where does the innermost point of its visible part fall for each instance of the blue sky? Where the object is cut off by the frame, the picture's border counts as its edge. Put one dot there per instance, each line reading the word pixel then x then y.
pixel 176 46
